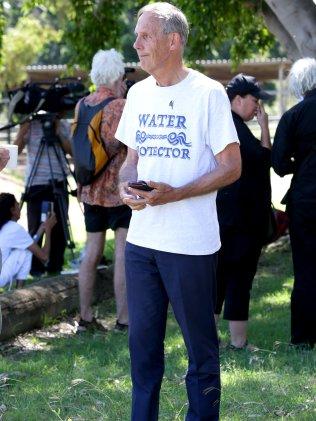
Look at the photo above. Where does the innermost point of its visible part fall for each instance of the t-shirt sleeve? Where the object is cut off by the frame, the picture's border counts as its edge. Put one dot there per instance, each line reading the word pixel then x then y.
pixel 124 132
pixel 20 238
pixel 222 130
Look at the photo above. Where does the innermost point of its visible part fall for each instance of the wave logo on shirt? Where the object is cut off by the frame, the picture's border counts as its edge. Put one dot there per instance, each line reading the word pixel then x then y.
pixel 173 138
pixel 152 122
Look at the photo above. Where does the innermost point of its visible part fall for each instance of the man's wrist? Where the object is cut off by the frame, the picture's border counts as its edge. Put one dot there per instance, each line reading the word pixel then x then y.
pixel 177 194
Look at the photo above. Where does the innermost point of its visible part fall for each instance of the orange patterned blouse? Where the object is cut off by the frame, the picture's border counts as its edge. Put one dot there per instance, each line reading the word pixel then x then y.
pixel 104 190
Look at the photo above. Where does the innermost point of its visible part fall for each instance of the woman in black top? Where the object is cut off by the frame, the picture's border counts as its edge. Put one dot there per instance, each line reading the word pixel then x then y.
pixel 294 152
pixel 243 209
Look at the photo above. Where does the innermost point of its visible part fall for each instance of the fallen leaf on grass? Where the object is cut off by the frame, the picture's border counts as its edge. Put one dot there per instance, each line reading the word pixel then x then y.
pixel 77 381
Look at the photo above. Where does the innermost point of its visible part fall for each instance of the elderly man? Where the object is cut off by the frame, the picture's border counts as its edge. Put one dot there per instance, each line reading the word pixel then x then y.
pixel 181 139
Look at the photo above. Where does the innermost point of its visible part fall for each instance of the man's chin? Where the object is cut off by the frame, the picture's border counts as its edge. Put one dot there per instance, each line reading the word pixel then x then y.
pixel 143 65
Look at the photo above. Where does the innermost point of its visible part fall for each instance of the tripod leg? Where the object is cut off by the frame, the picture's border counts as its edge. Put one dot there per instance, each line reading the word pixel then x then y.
pixel 61 197
pixel 58 238
pixel 32 174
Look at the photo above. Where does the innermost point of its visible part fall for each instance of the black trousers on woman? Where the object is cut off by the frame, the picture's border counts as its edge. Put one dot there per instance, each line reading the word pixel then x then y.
pixel 237 265
pixel 302 229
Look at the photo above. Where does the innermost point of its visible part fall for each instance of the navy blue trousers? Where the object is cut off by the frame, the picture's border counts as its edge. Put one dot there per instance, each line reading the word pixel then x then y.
pixel 154 279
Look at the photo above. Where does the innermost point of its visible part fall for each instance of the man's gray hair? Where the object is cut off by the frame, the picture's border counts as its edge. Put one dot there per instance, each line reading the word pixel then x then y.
pixel 172 19
pixel 107 67
pixel 302 77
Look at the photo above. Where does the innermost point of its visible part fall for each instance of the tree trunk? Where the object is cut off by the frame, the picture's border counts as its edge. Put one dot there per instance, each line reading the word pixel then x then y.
pixel 294 25
pixel 27 308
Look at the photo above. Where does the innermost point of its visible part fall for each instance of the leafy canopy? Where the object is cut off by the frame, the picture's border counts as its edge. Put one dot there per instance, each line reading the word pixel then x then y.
pixel 89 25
pixel 71 31
pixel 21 46
pixel 238 23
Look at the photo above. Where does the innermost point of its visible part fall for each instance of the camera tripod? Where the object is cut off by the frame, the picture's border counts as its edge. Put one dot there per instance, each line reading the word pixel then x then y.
pixel 51 146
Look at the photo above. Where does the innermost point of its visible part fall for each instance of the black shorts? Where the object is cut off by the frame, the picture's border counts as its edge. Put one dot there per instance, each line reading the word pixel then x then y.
pixel 99 218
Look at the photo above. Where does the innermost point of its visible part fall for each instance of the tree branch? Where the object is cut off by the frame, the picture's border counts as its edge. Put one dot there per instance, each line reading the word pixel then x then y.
pixel 298 19
pixel 280 32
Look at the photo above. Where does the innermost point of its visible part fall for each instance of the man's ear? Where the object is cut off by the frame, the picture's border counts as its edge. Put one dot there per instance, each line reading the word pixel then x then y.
pixel 175 41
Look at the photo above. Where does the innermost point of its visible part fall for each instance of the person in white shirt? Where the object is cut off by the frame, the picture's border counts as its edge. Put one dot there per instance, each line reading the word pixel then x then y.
pixel 182 141
pixel 16 244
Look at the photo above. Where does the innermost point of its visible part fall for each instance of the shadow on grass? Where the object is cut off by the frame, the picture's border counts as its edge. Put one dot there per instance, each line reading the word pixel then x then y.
pixel 87 377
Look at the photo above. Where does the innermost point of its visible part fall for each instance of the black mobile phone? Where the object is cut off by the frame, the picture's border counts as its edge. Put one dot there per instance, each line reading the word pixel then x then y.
pixel 140 185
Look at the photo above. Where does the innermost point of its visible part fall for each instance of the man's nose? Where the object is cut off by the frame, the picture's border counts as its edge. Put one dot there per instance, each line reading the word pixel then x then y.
pixel 136 44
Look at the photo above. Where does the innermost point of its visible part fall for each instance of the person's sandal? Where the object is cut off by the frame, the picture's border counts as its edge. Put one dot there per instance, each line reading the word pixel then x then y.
pixel 245 347
pixel 90 327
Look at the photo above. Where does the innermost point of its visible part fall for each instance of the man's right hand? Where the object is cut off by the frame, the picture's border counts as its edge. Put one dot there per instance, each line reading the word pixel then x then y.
pixel 129 199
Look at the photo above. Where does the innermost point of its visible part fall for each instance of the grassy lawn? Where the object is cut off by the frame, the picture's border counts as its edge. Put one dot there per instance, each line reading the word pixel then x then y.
pixel 59 376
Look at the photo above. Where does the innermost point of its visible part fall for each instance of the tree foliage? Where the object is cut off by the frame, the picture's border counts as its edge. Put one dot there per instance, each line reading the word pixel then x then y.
pixel 94 25
pixel 21 46
pixel 235 22
pixel 2 24
pixel 235 29
pixel 91 25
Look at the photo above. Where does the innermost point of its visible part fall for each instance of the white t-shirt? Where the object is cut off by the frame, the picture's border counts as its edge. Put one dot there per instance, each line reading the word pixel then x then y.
pixel 176 131
pixel 13 236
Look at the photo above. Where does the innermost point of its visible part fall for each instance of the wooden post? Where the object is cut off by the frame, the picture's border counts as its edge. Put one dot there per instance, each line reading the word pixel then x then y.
pixel 282 94
pixel 25 309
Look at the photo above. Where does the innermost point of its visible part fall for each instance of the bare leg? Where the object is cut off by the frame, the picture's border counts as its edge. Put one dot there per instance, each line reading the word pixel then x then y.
pixel 119 276
pixel 93 252
pixel 238 332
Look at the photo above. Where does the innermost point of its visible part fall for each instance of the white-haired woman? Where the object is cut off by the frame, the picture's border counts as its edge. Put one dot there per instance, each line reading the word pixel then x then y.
pixel 294 152
pixel 103 208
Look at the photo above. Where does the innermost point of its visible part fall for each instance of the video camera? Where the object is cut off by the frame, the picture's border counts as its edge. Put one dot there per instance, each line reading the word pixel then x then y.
pixel 52 97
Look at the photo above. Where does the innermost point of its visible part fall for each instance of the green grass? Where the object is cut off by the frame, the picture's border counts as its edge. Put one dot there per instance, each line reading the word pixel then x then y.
pixel 87 378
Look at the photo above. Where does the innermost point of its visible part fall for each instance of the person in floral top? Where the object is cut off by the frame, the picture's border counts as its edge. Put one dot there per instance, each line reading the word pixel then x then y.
pixel 103 207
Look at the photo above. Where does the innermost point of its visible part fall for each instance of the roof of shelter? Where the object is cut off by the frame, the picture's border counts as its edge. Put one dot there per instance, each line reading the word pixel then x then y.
pixel 221 70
